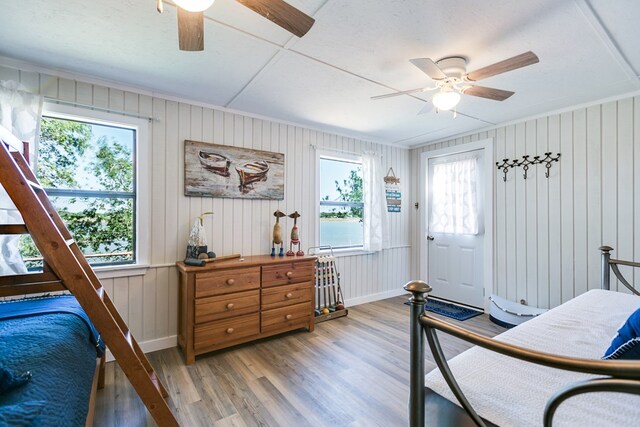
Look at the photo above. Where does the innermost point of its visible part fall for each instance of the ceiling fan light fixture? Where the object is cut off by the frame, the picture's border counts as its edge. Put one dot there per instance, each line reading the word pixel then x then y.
pixel 446 100
pixel 194 5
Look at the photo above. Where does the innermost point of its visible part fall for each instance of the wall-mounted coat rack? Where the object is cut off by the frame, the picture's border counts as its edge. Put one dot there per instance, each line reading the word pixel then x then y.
pixel 525 163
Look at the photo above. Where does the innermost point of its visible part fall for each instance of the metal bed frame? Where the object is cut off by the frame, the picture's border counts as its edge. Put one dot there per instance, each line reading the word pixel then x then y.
pixel 619 376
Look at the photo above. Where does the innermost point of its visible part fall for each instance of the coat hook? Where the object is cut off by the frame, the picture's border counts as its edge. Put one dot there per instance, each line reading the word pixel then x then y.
pixel 525 165
pixel 548 159
pixel 504 167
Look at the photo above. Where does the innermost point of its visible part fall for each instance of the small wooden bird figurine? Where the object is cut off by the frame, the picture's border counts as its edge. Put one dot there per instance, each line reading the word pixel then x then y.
pixel 295 240
pixel 277 234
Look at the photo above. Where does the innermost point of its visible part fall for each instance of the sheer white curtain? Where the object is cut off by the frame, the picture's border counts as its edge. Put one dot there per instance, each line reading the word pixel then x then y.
pixel 454 205
pixel 20 112
pixel 376 227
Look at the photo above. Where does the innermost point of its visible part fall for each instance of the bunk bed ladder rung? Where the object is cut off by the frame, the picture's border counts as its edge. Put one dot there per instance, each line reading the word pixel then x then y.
pixel 35 186
pixel 65 260
pixel 13 229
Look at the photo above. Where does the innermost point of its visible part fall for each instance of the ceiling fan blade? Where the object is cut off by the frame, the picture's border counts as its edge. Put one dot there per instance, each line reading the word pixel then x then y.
pixel 404 92
pixel 514 63
pixel 487 92
pixel 430 68
pixel 190 30
pixel 282 14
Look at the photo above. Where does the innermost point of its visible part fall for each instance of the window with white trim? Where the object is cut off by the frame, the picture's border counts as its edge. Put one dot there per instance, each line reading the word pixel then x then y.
pixel 341 202
pixel 87 163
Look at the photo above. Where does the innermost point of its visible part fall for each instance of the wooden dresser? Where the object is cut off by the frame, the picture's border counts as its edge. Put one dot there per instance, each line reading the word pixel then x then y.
pixel 232 302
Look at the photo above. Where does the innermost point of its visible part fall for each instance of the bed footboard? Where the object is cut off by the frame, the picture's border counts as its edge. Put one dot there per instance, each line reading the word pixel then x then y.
pixel 621 376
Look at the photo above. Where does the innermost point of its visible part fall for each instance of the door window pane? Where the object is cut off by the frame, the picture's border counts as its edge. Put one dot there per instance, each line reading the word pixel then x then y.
pixel 454 207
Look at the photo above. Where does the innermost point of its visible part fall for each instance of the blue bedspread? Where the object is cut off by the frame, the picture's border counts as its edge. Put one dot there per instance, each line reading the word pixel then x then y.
pixel 57 345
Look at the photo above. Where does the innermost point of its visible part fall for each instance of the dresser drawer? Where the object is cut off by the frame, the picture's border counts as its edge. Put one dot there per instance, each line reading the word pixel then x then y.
pixel 280 296
pixel 287 318
pixel 223 306
pixel 290 272
pixel 227 281
pixel 228 330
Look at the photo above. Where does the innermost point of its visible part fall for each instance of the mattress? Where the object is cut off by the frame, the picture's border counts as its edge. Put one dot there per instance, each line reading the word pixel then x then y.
pixel 59 349
pixel 511 392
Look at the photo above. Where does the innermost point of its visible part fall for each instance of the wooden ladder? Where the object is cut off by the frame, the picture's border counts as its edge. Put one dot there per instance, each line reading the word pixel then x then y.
pixel 62 254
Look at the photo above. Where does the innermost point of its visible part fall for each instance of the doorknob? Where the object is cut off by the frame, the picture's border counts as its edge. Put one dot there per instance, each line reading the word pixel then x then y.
pixel 429 238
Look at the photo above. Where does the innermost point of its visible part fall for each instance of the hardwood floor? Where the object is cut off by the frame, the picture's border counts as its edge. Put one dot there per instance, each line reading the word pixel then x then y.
pixel 351 371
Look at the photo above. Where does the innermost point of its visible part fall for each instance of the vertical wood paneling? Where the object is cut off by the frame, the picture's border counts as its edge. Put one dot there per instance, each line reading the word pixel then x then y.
pixel 581 199
pixel 624 188
pixel 569 197
pixel 594 196
pixel 171 189
pixel 531 217
pixel 159 200
pixel 548 231
pixel 500 214
pixel 541 206
pixel 521 212
pixel 554 250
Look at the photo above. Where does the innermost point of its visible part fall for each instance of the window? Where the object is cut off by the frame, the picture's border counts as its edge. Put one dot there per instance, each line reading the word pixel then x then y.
pixel 87 166
pixel 341 202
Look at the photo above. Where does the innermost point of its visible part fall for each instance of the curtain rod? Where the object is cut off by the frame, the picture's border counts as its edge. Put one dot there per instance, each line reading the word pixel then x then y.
pixel 106 110
pixel 337 150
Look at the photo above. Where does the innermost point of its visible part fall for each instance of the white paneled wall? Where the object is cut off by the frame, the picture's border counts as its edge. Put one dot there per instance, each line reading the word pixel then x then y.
pixel 547 231
pixel 149 303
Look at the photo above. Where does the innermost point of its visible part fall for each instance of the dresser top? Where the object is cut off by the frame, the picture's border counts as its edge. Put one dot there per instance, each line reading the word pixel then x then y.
pixel 247 261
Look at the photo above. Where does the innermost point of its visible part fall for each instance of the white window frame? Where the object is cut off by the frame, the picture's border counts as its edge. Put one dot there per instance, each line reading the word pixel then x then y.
pixel 142 158
pixel 344 157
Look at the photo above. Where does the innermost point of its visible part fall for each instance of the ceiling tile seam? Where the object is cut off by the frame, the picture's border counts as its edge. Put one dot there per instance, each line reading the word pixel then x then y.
pixel 351 73
pixel 421 135
pixel 272 61
pixel 592 17
pixel 318 61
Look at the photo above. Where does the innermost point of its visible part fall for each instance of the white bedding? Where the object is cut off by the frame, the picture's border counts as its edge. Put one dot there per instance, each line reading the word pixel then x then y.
pixel 510 392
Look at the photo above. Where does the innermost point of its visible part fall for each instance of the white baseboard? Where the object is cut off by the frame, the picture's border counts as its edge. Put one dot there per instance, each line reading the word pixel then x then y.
pixel 374 297
pixel 152 345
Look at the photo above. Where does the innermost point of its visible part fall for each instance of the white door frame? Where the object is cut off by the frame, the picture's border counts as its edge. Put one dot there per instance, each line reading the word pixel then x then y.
pixel 490 177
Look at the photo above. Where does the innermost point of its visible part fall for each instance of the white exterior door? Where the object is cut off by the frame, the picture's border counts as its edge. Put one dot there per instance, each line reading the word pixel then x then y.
pixel 455 227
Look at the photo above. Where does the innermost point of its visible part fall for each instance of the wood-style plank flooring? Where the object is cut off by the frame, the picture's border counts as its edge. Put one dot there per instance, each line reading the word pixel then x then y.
pixel 351 371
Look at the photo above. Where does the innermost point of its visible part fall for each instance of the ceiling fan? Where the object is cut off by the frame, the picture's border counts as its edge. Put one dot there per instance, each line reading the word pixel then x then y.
pixel 452 80
pixel 191 18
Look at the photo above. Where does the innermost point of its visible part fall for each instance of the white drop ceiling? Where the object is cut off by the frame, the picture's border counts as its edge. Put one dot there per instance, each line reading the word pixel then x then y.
pixel 356 49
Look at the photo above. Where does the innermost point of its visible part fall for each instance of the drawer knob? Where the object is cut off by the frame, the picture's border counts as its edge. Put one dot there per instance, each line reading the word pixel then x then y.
pixel 288 317
pixel 230 282
pixel 230 306
pixel 230 330
pixel 289 274
pixel 289 295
